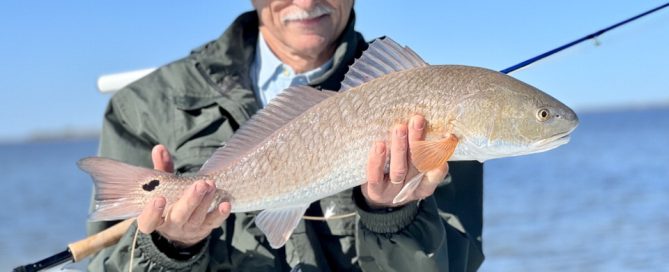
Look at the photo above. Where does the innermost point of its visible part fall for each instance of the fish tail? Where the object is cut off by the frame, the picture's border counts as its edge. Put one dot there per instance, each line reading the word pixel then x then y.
pixel 121 189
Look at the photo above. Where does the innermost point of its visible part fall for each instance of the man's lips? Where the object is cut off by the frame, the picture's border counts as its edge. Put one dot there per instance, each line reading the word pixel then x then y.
pixel 309 22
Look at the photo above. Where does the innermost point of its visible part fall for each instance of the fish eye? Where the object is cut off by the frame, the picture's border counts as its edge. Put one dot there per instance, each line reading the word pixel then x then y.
pixel 543 115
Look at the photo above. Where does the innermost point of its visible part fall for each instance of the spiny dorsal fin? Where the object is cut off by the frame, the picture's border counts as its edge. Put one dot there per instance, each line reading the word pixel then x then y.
pixel 383 56
pixel 289 104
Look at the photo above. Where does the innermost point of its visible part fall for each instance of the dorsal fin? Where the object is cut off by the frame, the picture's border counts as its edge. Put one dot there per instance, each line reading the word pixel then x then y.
pixel 383 56
pixel 285 107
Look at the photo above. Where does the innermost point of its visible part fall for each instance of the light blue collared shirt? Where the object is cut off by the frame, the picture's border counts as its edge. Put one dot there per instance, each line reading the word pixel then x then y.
pixel 270 76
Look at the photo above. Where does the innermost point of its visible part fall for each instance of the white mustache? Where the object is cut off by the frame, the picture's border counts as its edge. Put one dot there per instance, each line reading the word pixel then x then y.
pixel 300 14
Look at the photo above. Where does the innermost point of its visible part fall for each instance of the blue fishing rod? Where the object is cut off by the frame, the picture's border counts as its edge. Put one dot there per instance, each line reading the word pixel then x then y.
pixel 79 250
pixel 593 35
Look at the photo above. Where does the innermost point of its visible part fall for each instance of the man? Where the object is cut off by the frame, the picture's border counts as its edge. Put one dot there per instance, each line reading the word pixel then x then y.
pixel 180 114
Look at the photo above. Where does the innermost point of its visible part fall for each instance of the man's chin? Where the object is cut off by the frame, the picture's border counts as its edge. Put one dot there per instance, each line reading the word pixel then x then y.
pixel 310 43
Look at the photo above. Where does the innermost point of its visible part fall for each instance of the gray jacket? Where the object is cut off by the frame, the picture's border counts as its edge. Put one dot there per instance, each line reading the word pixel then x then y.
pixel 194 104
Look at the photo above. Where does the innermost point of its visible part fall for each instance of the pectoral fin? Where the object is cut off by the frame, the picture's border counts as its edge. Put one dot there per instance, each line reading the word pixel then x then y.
pixel 278 224
pixel 429 155
pixel 426 156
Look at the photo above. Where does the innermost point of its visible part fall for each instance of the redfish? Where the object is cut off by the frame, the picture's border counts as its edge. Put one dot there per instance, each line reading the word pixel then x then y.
pixel 309 144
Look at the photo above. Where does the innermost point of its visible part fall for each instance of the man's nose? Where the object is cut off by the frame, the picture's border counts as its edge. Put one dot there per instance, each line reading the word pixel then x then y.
pixel 305 4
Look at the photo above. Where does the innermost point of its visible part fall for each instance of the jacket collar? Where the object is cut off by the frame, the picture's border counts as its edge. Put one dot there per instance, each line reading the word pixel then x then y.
pixel 230 56
pixel 347 50
pixel 224 63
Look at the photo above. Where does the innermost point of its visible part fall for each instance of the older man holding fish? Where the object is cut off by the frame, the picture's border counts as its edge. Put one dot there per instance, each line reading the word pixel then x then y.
pixel 177 117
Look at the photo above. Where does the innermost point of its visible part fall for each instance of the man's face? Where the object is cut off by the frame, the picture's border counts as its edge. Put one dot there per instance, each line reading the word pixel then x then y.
pixel 305 27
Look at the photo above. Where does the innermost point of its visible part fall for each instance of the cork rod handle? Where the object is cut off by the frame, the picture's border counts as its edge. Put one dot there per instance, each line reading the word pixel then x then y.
pixel 94 243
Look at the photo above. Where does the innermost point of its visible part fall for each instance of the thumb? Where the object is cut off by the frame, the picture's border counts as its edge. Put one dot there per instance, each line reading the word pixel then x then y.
pixel 152 215
pixel 162 160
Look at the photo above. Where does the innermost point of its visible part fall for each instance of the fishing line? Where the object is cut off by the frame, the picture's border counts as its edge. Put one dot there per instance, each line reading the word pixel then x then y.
pixel 334 217
pixel 593 36
pixel 132 249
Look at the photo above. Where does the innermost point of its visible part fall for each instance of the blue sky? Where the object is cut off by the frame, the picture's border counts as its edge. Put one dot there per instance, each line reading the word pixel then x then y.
pixel 52 52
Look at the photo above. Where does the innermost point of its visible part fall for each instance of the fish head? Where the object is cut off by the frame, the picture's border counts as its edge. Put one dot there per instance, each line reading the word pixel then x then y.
pixel 544 123
pixel 508 117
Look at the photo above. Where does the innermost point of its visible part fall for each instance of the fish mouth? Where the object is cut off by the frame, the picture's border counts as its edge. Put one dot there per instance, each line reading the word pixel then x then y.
pixel 554 141
pixel 563 139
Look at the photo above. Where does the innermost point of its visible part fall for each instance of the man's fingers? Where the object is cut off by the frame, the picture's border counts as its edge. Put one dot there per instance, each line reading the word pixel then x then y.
pixel 416 133
pixel 433 177
pixel 376 161
pixel 189 201
pixel 380 190
pixel 398 156
pixel 162 160
pixel 216 217
pixel 416 128
pixel 200 212
pixel 152 215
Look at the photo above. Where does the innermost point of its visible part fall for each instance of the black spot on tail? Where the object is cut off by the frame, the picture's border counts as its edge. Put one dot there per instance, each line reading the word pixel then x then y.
pixel 151 185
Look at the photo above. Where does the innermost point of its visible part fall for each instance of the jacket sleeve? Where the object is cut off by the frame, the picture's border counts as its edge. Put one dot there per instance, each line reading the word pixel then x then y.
pixel 415 237
pixel 125 137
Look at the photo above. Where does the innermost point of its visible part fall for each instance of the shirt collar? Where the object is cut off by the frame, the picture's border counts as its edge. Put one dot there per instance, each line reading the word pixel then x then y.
pixel 268 66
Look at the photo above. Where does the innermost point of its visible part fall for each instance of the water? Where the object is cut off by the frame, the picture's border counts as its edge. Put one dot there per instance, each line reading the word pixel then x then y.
pixel 596 204
pixel 599 203
pixel 46 199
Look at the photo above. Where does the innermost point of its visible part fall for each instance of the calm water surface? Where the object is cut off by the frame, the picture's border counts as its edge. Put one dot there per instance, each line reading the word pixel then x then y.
pixel 600 203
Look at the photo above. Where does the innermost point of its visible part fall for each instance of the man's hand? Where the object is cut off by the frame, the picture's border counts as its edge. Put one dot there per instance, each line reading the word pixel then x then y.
pixel 381 188
pixel 187 221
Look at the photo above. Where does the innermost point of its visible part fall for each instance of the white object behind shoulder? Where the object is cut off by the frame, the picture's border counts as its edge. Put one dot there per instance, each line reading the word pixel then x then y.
pixel 113 82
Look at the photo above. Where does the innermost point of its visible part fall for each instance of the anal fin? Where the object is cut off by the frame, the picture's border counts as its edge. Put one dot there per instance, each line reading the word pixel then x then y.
pixel 278 224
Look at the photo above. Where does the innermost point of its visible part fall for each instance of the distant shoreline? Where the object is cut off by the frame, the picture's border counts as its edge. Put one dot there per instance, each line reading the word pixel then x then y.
pixel 59 136
pixel 54 136
pixel 86 134
pixel 624 107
